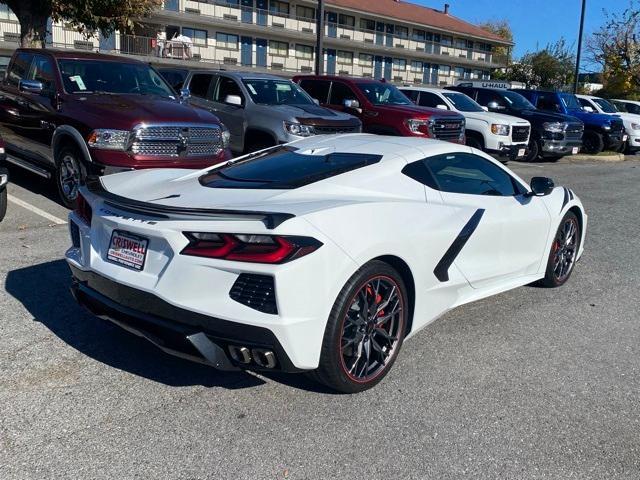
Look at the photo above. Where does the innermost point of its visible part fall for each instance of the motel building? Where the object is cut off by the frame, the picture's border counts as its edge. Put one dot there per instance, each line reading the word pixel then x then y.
pixel 396 40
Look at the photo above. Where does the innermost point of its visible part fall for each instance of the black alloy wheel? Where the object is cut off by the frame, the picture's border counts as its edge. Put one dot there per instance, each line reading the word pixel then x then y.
pixel 365 330
pixel 564 252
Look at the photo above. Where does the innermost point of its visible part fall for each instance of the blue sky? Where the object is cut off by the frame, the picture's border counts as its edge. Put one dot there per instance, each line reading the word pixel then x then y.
pixel 535 22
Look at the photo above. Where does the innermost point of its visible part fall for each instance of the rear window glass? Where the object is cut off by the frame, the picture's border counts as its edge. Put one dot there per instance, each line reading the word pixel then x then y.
pixel 284 168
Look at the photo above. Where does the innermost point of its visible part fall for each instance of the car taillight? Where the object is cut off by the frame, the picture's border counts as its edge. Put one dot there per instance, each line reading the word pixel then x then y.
pixel 249 248
pixel 83 209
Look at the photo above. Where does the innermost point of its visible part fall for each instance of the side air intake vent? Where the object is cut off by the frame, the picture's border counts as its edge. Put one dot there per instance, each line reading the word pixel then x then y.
pixel 255 291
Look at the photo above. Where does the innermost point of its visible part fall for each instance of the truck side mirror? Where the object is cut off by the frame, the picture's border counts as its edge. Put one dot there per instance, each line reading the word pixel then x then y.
pixel 541 186
pixel 495 106
pixel 184 94
pixel 588 108
pixel 30 86
pixel 442 107
pixel 316 101
pixel 351 104
pixel 233 100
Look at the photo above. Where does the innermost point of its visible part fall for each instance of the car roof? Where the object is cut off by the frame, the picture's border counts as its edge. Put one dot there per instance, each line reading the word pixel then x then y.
pixel 338 77
pixel 240 75
pixel 75 54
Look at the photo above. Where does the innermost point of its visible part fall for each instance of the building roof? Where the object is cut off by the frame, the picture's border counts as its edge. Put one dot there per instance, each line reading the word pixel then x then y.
pixel 410 12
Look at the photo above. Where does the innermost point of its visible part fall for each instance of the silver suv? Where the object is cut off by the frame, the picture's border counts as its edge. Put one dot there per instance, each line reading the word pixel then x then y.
pixel 262 110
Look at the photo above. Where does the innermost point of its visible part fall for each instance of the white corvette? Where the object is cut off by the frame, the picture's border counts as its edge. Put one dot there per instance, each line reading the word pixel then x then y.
pixel 321 255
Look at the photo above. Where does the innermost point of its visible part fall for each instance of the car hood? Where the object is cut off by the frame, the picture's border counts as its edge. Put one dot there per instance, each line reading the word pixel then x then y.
pixel 540 116
pixel 592 118
pixel 491 117
pixel 309 111
pixel 125 111
pixel 416 111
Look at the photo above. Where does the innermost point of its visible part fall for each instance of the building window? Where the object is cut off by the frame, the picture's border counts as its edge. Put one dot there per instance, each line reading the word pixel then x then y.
pixel 365 60
pixel 461 43
pixel 346 20
pixel 279 8
pixel 366 24
pixel 445 70
pixel 458 72
pixel 419 35
pixel 226 40
pixel 417 66
pixel 306 13
pixel 279 49
pixel 399 64
pixel 446 41
pixel 304 51
pixel 402 32
pixel 345 58
pixel 199 37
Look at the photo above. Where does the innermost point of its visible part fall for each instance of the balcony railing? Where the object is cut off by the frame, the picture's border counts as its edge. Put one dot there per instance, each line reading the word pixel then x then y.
pixel 222 12
pixel 154 50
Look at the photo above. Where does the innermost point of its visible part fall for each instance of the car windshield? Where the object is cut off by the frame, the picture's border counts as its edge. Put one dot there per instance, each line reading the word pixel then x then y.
pixel 462 102
pixel 284 168
pixel 605 105
pixel 570 101
pixel 383 94
pixel 276 92
pixel 105 76
pixel 517 101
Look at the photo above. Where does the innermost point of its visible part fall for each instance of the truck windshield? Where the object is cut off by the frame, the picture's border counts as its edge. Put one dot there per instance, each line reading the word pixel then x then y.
pixel 605 105
pixel 383 94
pixel 105 76
pixel 517 101
pixel 276 92
pixel 570 101
pixel 462 102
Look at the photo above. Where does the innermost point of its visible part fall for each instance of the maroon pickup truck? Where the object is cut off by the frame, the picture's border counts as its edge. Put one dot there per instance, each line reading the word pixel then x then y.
pixel 67 114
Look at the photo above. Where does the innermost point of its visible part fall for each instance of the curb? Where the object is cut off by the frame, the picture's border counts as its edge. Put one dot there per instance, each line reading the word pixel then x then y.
pixel 611 157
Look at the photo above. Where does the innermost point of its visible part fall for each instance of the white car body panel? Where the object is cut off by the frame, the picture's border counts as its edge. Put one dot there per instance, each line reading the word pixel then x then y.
pixel 372 212
pixel 629 120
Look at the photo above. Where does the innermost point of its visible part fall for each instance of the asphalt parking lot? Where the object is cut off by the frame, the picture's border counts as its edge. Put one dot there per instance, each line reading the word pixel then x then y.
pixel 530 384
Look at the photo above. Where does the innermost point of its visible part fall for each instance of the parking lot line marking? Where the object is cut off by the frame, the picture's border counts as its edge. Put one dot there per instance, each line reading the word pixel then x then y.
pixel 36 210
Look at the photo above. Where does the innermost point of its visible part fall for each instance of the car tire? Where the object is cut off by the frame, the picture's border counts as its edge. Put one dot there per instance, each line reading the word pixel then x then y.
pixel 592 142
pixel 533 151
pixel 563 253
pixel 70 174
pixel 474 142
pixel 3 203
pixel 358 352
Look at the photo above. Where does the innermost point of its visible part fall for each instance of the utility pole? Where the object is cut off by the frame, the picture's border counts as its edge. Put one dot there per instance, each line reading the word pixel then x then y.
pixel 319 37
pixel 575 82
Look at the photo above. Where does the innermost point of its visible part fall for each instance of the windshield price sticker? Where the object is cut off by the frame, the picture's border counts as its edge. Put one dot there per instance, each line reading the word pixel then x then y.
pixel 78 81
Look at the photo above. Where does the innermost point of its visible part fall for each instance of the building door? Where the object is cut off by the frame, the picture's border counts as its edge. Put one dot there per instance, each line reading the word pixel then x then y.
pixel 434 74
pixel 377 67
pixel 332 24
pixel 246 53
pixel 379 33
pixel 389 31
pixel 261 52
pixel 261 14
pixel 331 61
pixel 247 11
pixel 426 73
pixel 388 66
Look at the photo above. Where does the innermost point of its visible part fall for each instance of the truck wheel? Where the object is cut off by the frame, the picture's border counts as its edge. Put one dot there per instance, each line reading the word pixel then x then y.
pixel 3 203
pixel 70 175
pixel 592 142
pixel 474 142
pixel 534 151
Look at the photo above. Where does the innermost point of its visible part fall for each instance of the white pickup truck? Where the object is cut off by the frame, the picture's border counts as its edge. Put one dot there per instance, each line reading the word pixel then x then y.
pixel 631 121
pixel 502 136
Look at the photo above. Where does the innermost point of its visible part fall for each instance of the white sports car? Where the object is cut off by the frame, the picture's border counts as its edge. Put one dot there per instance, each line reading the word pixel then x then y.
pixel 320 255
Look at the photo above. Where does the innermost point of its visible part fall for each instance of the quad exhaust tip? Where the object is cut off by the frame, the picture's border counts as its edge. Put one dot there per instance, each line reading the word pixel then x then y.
pixel 262 357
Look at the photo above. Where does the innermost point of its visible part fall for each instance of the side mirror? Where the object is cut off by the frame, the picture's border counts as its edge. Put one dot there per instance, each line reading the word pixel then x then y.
pixel 30 86
pixel 486 109
pixel 442 107
pixel 233 100
pixel 351 104
pixel 587 108
pixel 316 101
pixel 495 106
pixel 541 186
pixel 184 94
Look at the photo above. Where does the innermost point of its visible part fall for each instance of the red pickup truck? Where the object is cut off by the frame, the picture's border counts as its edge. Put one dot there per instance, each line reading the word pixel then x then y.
pixel 67 114
pixel 382 108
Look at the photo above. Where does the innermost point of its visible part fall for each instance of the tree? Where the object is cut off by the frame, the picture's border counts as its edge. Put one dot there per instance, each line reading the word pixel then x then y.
pixel 503 30
pixel 88 16
pixel 550 68
pixel 615 47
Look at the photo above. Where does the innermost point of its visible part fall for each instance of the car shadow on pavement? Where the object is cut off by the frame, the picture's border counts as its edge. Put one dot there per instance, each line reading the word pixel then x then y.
pixel 34 183
pixel 43 289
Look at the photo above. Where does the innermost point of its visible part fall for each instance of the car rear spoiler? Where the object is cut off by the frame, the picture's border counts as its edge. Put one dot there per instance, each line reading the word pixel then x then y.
pixel 271 220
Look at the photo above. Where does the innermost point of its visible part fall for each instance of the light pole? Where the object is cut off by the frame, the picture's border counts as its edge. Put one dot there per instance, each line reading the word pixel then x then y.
pixel 319 36
pixel 575 81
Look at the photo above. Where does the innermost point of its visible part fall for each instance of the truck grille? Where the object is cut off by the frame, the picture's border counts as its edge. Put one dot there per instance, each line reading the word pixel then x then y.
pixel 448 130
pixel 177 140
pixel 574 131
pixel 520 134
pixel 328 130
